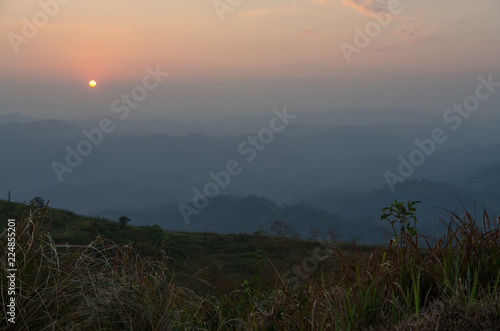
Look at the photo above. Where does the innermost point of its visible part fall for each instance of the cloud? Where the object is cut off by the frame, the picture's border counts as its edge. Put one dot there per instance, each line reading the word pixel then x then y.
pixel 462 22
pixel 274 10
pixel 409 31
pixel 308 30
pixel 368 7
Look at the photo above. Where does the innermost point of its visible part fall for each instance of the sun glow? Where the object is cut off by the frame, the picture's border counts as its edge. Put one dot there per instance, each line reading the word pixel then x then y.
pixel 92 83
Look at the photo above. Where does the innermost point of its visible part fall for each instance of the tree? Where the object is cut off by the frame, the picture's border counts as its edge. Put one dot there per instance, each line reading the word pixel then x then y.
pixel 38 201
pixel 124 220
pixel 281 228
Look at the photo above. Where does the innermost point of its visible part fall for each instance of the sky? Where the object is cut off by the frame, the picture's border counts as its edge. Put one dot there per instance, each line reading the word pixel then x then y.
pixel 235 57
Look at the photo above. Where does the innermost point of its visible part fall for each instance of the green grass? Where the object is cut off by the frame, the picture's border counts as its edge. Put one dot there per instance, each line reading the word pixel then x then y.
pixel 204 281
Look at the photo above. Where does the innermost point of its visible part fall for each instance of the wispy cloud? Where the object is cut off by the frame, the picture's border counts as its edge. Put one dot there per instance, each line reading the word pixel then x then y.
pixel 274 10
pixel 409 31
pixel 368 7
pixel 462 22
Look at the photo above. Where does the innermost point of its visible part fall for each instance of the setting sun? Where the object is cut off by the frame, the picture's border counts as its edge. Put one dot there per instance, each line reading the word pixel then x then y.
pixel 92 83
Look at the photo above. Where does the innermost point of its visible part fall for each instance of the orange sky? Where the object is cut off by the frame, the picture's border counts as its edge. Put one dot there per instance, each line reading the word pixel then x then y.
pixel 257 40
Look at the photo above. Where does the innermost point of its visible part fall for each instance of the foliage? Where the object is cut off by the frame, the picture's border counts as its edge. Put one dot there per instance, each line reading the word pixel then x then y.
pixel 280 228
pixel 398 212
pixel 124 220
pixel 38 201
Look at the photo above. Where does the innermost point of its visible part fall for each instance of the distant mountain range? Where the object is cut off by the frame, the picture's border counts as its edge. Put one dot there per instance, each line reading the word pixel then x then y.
pixel 311 121
pixel 16 118
pixel 231 214
pixel 321 159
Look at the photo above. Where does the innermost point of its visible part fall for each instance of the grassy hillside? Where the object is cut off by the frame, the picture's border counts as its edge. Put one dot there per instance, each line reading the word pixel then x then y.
pixel 233 214
pixel 223 261
pixel 189 281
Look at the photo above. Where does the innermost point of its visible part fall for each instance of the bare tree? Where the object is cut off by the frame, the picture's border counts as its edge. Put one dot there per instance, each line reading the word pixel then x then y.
pixel 281 228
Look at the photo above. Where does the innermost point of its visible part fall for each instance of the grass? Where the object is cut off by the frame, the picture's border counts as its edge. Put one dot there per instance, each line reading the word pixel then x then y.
pixel 450 283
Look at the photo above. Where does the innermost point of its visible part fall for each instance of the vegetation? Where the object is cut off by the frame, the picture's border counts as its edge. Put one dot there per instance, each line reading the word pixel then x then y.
pixel 124 220
pixel 452 283
pixel 398 212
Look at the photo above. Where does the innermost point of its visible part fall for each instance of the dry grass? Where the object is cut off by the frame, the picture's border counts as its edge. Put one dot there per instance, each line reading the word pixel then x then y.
pixel 451 284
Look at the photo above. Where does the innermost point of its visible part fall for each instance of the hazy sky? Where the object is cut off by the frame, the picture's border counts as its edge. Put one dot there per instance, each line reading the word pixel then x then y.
pixel 263 54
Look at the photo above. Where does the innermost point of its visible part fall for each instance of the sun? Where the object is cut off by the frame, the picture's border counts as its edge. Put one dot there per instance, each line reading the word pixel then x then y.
pixel 92 83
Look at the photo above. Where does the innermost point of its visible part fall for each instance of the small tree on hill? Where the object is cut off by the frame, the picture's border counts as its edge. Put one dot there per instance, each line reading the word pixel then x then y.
pixel 38 201
pixel 124 220
pixel 281 228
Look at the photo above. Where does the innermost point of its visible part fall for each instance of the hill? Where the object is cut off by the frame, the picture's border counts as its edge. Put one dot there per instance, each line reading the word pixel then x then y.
pixel 450 285
pixel 437 200
pixel 233 214
pixel 485 178
pixel 164 168
pixel 224 261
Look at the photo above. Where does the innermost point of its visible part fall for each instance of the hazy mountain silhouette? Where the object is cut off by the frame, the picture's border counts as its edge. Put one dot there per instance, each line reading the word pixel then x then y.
pixel 146 164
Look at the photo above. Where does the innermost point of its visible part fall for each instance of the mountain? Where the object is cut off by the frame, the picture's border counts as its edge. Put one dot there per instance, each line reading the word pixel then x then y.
pixel 167 168
pixel 484 178
pixel 45 130
pixel 16 117
pixel 437 200
pixel 309 161
pixel 233 214
pixel 366 117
